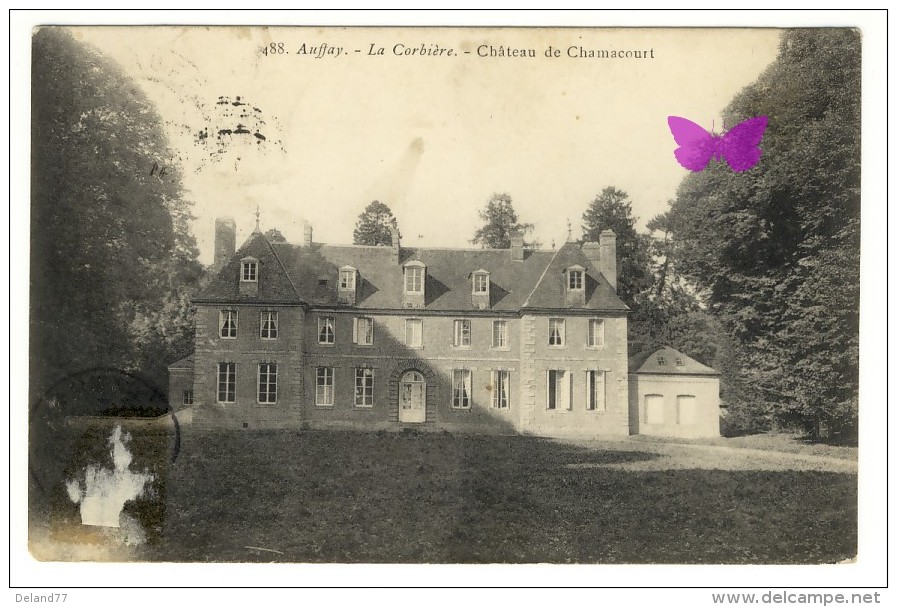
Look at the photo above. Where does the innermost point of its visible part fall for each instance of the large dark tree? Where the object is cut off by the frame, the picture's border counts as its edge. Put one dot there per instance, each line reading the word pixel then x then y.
pixel 373 225
pixel 112 256
pixel 776 249
pixel 500 223
pixel 612 210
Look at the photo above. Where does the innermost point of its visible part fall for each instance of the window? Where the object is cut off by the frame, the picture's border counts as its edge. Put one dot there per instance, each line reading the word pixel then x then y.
pixel 268 325
pixel 686 409
pixel 364 331
pixel 249 272
pixel 326 334
pixel 661 361
pixel 679 362
pixel 499 334
pixel 413 331
pixel 414 280
pixel 501 389
pixel 267 383
pixel 596 333
pixel 227 382
pixel 324 386
pixel 347 279
pixel 461 389
pixel 574 280
pixel 595 385
pixel 188 397
pixel 653 409
pixel 364 387
pixel 556 332
pixel 227 324
pixel 559 390
pixel 480 283
pixel 462 334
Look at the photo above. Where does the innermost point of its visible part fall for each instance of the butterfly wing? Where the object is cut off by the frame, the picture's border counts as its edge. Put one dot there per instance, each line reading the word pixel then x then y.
pixel 739 145
pixel 696 145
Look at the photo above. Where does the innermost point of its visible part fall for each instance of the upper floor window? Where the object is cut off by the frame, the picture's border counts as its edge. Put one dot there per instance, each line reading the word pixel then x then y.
pixel 499 334
pixel 481 282
pixel 364 331
pixel 326 332
pixel 347 279
pixel 575 280
pixel 596 333
pixel 227 324
pixel 414 333
pixel 268 325
pixel 557 332
pixel 414 279
pixel 249 270
pixel 661 360
pixel 188 397
pixel 462 333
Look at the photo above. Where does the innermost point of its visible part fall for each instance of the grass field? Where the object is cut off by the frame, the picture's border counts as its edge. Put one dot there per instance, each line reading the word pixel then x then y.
pixel 355 497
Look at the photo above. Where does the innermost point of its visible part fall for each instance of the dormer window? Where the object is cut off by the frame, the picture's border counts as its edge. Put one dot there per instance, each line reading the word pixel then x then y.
pixel 481 282
pixel 347 278
pixel 249 270
pixel 575 278
pixel 414 279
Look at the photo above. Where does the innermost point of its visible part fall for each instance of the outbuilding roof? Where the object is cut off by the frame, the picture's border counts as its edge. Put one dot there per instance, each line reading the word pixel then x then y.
pixel 667 361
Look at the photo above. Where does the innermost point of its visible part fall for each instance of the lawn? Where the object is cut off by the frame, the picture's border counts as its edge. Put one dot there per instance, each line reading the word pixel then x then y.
pixel 356 497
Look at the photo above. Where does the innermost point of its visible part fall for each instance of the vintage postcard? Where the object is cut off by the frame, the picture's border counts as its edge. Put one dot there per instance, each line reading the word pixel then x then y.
pixel 446 295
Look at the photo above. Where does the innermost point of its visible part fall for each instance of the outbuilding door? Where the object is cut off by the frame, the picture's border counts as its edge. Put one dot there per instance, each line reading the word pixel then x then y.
pixel 412 397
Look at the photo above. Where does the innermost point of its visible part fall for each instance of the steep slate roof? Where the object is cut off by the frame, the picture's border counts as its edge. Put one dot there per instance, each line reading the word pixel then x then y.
pixel 312 274
pixel 647 362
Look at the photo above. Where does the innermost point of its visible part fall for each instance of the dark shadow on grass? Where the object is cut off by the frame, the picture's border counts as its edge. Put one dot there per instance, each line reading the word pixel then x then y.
pixel 364 497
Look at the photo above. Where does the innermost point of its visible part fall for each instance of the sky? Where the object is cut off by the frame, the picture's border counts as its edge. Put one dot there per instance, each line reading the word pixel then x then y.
pixel 431 136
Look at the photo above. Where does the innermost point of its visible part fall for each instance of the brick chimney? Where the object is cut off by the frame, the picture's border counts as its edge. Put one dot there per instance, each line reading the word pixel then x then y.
pixel 225 239
pixel 396 242
pixel 517 245
pixel 608 262
pixel 306 235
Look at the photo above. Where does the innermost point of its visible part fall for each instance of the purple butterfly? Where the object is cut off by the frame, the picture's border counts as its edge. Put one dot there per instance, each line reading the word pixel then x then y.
pixel 738 145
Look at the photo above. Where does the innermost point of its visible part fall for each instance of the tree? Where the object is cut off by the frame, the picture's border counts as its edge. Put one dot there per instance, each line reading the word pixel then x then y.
pixel 501 223
pixel 612 210
pixel 274 235
pixel 776 249
pixel 112 256
pixel 373 225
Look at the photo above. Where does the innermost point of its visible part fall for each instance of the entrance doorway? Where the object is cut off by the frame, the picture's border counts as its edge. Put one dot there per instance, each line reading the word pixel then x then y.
pixel 412 398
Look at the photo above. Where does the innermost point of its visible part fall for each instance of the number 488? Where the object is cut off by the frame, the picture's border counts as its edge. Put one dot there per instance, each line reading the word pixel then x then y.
pixel 275 48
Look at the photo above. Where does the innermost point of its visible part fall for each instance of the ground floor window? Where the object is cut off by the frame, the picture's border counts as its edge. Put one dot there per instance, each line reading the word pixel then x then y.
pixel 227 382
pixel 558 389
pixel 324 386
pixel 653 409
pixel 686 409
pixel 267 383
pixel 461 382
pixel 501 389
pixel 364 387
pixel 595 387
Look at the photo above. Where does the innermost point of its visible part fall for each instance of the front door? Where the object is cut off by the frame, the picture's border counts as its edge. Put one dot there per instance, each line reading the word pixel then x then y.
pixel 412 398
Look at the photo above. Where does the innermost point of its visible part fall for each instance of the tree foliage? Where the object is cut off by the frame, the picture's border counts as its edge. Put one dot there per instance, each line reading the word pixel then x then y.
pixel 112 256
pixel 612 210
pixel 776 249
pixel 500 223
pixel 372 227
